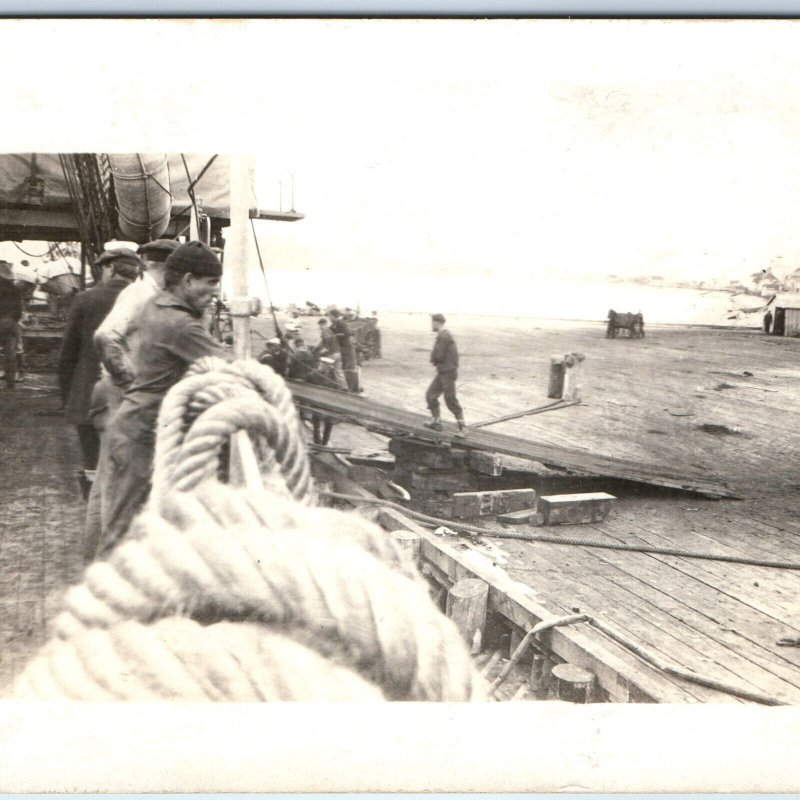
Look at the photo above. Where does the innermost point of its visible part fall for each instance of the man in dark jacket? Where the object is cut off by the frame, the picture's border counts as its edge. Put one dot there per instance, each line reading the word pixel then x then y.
pixel 345 338
pixel 10 315
pixel 170 338
pixel 444 357
pixel 79 361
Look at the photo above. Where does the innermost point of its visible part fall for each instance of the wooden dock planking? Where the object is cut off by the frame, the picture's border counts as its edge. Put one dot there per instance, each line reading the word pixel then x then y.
pixel 689 610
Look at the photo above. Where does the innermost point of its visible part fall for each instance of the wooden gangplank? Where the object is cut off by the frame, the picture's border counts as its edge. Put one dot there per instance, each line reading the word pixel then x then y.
pixel 398 422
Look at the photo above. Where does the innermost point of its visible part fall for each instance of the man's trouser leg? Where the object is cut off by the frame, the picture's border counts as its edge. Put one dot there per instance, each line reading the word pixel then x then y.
pixel 126 486
pixel 350 367
pixel 448 383
pixel 9 334
pixel 94 525
pixel 89 440
pixel 432 396
pixel 338 373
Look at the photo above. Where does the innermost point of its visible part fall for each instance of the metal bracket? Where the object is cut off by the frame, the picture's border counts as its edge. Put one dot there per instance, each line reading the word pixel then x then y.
pixel 245 306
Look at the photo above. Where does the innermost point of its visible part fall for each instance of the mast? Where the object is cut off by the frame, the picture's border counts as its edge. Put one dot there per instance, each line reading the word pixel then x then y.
pixel 237 254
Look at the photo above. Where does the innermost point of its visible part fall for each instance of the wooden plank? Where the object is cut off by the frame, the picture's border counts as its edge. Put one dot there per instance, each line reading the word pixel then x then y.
pixel 523 517
pixel 394 421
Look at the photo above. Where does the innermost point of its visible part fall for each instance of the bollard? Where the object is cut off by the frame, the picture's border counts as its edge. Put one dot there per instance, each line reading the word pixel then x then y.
pixel 410 541
pixel 573 684
pixel 467 601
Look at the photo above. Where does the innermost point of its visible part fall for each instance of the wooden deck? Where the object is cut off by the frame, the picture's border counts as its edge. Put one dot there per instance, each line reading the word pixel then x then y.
pixel 679 398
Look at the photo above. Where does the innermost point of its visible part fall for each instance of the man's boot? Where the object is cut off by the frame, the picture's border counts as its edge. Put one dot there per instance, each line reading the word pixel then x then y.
pixel 462 427
pixel 435 424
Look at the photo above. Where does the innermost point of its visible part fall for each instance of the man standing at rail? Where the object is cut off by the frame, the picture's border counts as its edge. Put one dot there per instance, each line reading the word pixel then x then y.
pixel 78 361
pixel 10 315
pixel 344 335
pixel 113 339
pixel 328 347
pixel 170 337
pixel 444 358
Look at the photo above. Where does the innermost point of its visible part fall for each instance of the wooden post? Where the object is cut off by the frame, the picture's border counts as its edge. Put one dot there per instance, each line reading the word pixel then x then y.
pixel 573 684
pixel 467 601
pixel 541 671
pixel 555 388
pixel 410 541
pixel 565 374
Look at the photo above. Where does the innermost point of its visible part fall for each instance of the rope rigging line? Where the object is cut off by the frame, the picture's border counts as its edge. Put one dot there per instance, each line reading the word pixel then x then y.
pixel 190 191
pixel 475 531
pixel 194 183
pixel 36 255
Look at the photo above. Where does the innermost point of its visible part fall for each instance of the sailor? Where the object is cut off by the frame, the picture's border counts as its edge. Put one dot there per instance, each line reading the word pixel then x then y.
pixel 113 339
pixel 444 358
pixel 328 347
pixel 10 315
pixel 768 322
pixel 302 362
pixel 344 335
pixel 377 334
pixel 78 361
pixel 170 337
pixel 276 356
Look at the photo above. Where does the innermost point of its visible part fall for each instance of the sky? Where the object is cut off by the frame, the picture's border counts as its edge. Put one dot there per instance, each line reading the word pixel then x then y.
pixel 500 148
pixel 535 148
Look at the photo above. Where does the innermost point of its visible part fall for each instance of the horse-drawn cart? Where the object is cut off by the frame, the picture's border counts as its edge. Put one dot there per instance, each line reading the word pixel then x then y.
pixel 366 337
pixel 632 323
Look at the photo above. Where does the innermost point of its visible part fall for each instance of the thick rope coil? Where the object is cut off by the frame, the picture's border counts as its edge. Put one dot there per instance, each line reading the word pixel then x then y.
pixel 222 593
pixel 214 400
pixel 308 585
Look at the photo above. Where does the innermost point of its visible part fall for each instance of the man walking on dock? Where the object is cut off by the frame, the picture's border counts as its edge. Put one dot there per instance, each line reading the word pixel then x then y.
pixel 444 357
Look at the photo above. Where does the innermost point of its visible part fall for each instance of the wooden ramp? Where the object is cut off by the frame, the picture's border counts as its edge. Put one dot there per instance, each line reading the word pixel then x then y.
pixel 397 422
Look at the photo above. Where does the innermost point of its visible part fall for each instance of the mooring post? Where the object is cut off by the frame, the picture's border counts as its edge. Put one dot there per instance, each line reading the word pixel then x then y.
pixel 467 602
pixel 573 684
pixel 565 376
pixel 410 541
pixel 541 671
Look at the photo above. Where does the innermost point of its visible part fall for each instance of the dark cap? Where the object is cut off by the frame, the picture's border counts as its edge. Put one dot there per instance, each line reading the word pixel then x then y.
pixel 438 318
pixel 158 249
pixel 125 269
pixel 196 258
pixel 119 255
pixel 323 321
pixel 335 313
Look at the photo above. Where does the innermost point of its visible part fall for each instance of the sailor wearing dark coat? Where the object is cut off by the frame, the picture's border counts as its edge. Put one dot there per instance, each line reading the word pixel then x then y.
pixel 78 360
pixel 344 335
pixel 444 358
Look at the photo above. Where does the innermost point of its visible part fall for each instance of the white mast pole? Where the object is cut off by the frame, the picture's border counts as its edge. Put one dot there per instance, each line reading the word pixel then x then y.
pixel 237 254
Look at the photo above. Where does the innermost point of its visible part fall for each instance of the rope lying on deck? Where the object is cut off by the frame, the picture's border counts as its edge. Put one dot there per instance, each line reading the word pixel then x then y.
pixel 476 530
pixel 248 594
